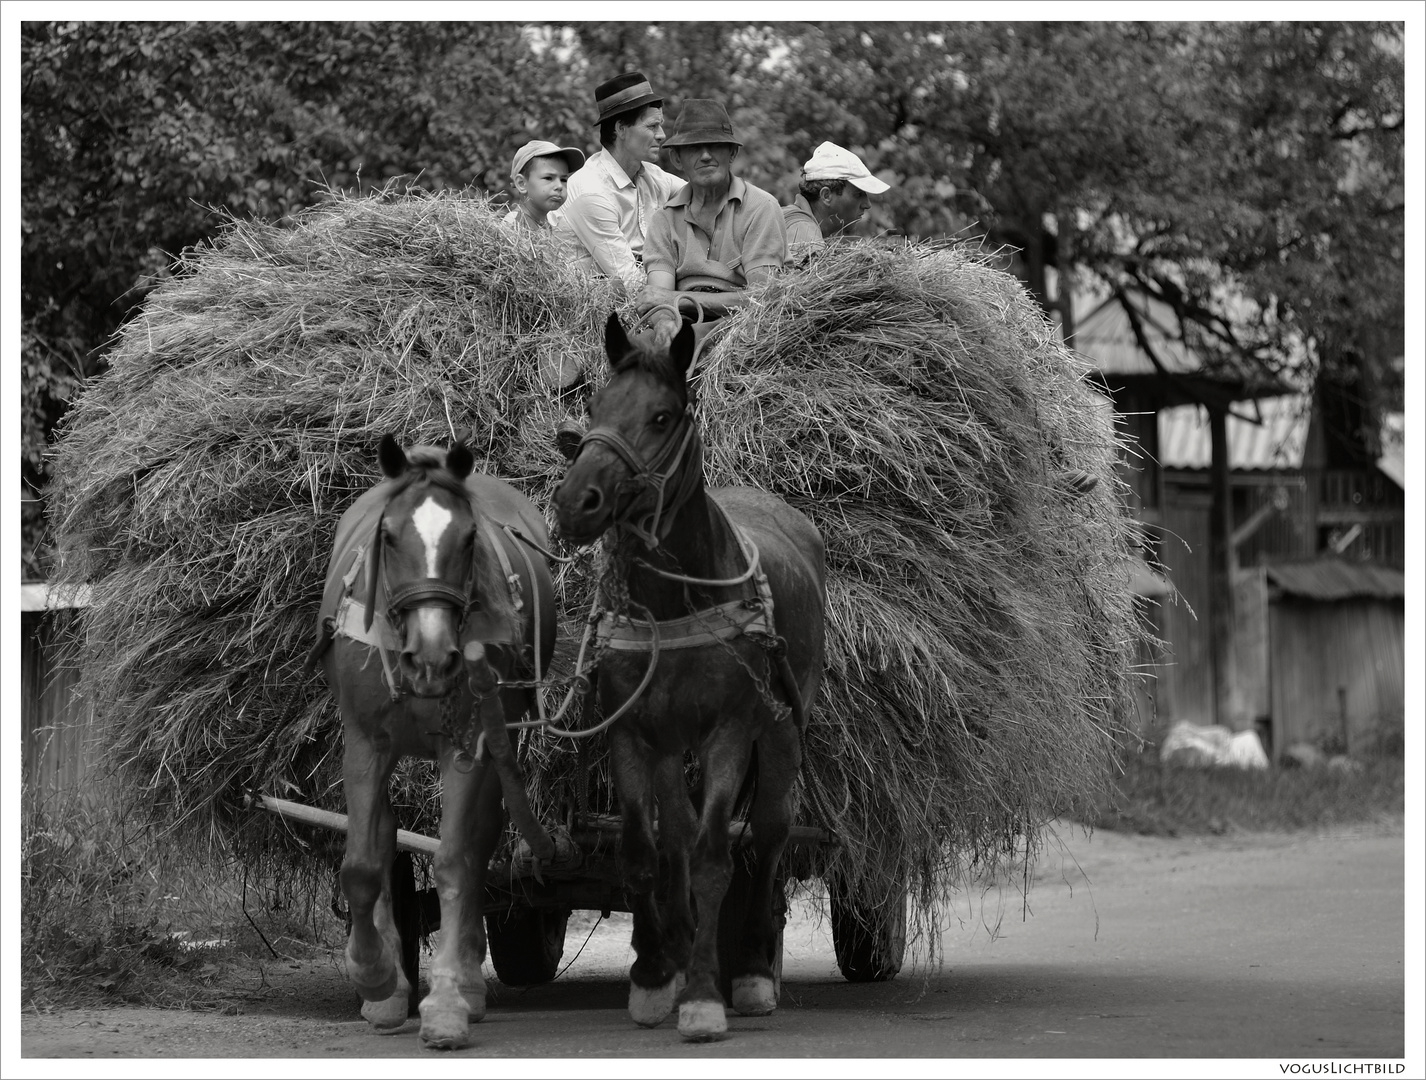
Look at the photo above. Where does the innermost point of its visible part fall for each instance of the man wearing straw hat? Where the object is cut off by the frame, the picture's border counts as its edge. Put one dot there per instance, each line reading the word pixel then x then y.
pixel 612 199
pixel 717 235
pixel 835 192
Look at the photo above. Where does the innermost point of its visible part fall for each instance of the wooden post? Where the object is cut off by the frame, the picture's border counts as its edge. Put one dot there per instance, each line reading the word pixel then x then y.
pixel 1220 576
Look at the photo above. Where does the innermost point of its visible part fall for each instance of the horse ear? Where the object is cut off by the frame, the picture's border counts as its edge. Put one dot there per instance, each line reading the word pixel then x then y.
pixel 391 456
pixel 460 460
pixel 681 349
pixel 616 342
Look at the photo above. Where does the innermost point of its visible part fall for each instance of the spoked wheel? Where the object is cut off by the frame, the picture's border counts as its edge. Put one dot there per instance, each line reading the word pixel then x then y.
pixel 731 917
pixel 870 941
pixel 526 944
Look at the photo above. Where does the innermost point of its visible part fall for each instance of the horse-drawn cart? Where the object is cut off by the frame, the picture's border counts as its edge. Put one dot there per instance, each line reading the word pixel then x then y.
pixel 910 401
pixel 528 904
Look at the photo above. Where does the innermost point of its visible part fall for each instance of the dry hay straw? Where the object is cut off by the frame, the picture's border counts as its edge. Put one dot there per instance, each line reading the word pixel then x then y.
pixel 913 402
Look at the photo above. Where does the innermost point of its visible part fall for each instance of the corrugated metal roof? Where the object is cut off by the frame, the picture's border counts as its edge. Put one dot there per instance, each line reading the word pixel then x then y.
pixel 1336 579
pixel 1185 441
pixel 1106 338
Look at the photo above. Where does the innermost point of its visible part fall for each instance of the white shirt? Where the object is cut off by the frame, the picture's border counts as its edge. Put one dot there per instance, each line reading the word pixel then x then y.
pixel 606 216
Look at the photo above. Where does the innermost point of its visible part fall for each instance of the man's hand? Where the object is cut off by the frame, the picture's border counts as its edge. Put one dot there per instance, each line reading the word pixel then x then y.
pixel 651 296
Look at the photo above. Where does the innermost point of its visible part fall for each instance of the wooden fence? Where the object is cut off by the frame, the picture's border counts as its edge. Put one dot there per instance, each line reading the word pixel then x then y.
pixel 57 727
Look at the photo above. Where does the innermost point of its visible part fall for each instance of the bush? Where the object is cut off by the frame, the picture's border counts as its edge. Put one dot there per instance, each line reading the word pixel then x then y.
pixel 112 913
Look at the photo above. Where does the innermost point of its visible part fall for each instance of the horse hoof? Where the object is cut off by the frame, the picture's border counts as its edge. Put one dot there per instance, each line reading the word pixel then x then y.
pixel 753 995
pixel 375 992
pixel 649 1008
pixel 474 995
pixel 387 1016
pixel 702 1021
pixel 445 1025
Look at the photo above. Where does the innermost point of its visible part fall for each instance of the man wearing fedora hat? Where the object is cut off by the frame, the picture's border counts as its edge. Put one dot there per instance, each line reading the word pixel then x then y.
pixel 612 199
pixel 835 192
pixel 718 234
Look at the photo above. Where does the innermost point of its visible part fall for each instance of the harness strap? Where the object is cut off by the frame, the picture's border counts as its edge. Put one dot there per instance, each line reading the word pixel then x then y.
pixel 753 615
pixel 512 579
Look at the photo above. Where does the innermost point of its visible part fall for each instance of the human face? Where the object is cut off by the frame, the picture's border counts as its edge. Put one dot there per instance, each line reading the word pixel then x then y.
pixel 707 165
pixel 544 183
pixel 643 137
pixel 845 210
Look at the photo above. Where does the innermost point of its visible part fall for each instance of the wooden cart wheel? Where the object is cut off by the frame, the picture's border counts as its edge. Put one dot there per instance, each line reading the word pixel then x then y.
pixel 526 944
pixel 730 924
pixel 406 914
pixel 870 942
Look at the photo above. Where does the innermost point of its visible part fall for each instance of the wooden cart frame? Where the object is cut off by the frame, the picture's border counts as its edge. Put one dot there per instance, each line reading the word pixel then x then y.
pixel 528 904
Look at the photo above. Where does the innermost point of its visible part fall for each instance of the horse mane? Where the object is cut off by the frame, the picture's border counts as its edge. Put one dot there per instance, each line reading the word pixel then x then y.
pixel 655 362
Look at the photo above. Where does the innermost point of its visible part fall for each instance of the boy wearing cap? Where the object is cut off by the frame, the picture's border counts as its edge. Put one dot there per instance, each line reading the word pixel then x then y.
pixel 835 192
pixel 540 173
pixel 612 199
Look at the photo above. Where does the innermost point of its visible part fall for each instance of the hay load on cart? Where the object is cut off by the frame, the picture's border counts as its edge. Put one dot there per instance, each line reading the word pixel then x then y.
pixel 911 400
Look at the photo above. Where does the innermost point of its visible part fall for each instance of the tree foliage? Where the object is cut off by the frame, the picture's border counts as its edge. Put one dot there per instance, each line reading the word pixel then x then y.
pixel 1250 174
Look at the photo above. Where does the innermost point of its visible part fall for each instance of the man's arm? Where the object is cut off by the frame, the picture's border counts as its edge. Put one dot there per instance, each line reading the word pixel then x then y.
pixel 593 219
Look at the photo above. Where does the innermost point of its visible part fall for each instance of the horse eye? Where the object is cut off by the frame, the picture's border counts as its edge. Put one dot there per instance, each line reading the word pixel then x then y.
pixel 661 420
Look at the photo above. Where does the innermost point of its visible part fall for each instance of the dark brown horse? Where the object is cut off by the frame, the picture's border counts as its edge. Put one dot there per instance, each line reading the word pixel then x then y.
pixel 429 603
pixel 731 582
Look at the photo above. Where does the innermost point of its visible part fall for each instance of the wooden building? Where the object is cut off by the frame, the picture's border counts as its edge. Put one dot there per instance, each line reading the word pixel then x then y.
pixel 1302 507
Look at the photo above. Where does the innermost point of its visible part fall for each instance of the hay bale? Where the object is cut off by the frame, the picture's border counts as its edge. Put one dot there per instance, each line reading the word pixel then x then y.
pixel 913 403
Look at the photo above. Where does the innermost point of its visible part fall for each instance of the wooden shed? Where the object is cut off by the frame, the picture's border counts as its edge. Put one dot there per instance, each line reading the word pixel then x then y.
pixel 56 724
pixel 1325 654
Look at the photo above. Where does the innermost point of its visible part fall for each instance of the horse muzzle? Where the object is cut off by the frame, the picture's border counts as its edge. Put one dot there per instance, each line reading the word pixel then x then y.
pixel 582 510
pixel 431 663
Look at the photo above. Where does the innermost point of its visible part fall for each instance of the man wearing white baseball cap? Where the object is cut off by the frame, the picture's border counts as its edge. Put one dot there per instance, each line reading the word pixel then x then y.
pixel 835 192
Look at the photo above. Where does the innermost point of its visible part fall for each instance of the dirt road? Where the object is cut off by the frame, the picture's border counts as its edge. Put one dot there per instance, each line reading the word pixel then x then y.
pixel 1250 947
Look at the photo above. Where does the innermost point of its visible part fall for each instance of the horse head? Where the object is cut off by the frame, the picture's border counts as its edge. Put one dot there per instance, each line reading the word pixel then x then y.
pixel 425 551
pixel 642 456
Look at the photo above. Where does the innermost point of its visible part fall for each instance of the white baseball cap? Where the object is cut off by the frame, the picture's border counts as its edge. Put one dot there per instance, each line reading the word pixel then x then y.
pixel 830 162
pixel 540 148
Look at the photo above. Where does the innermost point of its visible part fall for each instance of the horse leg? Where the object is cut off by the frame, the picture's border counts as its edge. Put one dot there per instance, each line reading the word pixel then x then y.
pixel 678 824
pixel 725 756
pixel 652 978
pixel 779 756
pixel 374 943
pixel 470 829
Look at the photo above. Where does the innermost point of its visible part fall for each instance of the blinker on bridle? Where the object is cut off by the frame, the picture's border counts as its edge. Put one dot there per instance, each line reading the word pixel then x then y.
pixel 683 446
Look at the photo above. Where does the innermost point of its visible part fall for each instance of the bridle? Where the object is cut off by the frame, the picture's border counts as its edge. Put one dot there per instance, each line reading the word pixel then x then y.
pixel 683 449
pixel 426 590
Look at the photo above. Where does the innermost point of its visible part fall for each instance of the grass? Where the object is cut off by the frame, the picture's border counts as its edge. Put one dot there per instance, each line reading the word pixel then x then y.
pixel 1154 799
pixel 113 914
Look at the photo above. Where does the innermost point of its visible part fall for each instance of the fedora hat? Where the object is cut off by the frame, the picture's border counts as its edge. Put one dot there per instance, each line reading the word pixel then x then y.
pixel 624 93
pixel 702 120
